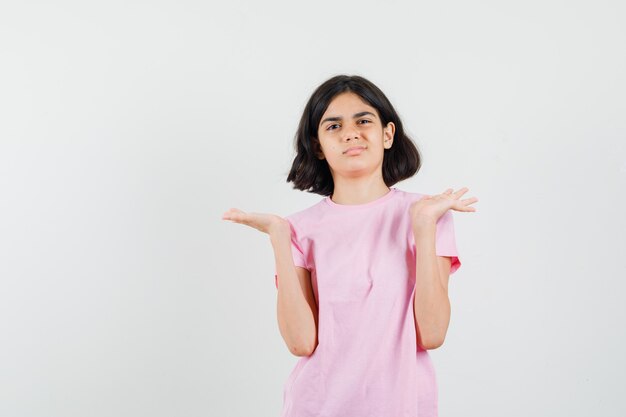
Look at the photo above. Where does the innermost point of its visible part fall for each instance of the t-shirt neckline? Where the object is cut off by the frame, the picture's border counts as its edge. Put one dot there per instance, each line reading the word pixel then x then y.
pixel 379 200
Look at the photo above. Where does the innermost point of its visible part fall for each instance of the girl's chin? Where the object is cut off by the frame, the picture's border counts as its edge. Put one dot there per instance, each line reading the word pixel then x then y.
pixel 355 168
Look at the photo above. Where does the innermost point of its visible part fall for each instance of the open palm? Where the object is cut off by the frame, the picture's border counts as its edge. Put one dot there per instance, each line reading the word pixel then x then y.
pixel 433 207
pixel 264 222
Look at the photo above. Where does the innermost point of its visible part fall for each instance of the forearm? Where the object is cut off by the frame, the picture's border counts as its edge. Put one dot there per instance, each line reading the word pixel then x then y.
pixel 296 319
pixel 431 304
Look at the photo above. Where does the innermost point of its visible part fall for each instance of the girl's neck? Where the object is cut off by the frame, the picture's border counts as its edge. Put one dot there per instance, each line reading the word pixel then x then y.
pixel 358 192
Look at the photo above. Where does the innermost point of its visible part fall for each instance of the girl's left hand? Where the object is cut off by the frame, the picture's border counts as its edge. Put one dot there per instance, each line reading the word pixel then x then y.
pixel 431 208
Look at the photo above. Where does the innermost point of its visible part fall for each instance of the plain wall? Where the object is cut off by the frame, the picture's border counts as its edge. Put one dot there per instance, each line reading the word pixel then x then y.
pixel 128 128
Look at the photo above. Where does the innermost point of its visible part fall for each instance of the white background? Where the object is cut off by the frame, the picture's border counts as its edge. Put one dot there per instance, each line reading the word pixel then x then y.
pixel 128 128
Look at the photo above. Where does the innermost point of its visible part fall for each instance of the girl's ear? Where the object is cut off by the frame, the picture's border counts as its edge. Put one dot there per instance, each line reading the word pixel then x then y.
pixel 388 132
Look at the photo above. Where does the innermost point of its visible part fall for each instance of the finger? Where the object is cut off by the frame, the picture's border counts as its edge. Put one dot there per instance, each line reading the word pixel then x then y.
pixel 235 215
pixel 464 205
pixel 464 208
pixel 461 192
pixel 470 200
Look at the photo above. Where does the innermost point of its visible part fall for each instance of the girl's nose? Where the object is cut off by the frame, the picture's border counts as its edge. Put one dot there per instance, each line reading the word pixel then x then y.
pixel 351 134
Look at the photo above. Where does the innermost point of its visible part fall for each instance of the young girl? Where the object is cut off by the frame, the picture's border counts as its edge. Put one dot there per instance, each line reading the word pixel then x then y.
pixel 362 275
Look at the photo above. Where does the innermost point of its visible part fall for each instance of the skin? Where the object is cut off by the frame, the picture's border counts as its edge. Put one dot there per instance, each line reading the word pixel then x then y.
pixel 431 304
pixel 357 180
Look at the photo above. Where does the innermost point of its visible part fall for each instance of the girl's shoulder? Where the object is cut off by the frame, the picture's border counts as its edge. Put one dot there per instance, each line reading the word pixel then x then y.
pixel 306 215
pixel 409 196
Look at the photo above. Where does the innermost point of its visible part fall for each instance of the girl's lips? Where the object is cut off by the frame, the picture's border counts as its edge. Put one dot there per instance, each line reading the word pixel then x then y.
pixel 354 150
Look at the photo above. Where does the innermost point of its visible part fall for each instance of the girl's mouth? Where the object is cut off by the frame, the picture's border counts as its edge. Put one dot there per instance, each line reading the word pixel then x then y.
pixel 355 150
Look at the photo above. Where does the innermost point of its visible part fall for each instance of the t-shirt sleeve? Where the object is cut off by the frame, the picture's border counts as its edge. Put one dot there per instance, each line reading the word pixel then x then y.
pixel 297 254
pixel 445 241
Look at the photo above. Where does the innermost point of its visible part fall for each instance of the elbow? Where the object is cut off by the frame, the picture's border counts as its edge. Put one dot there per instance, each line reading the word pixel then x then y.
pixel 432 343
pixel 302 350
pixel 305 348
pixel 299 344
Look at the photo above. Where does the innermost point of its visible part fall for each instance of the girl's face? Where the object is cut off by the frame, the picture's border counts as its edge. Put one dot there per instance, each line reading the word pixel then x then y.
pixel 350 122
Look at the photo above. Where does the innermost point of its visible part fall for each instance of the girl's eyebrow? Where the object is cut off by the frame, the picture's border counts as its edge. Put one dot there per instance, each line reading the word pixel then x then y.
pixel 338 118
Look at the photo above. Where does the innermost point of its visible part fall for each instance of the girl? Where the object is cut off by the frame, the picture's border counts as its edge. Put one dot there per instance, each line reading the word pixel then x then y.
pixel 362 276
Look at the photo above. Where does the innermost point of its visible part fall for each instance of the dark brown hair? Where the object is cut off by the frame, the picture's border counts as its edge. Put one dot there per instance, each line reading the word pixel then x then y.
pixel 308 173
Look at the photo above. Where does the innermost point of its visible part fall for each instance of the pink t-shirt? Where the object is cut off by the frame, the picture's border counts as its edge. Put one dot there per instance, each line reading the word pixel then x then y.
pixel 362 261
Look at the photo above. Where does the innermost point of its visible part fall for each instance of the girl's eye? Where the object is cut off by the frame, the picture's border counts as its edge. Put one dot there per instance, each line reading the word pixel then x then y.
pixel 363 120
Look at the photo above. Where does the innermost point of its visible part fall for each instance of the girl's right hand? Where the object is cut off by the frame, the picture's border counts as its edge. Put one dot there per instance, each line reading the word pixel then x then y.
pixel 264 222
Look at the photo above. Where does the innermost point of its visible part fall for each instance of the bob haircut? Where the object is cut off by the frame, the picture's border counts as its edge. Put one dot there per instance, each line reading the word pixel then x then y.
pixel 311 174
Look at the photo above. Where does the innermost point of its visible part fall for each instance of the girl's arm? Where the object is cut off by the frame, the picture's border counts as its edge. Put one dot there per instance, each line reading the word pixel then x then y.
pixel 431 304
pixel 296 306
